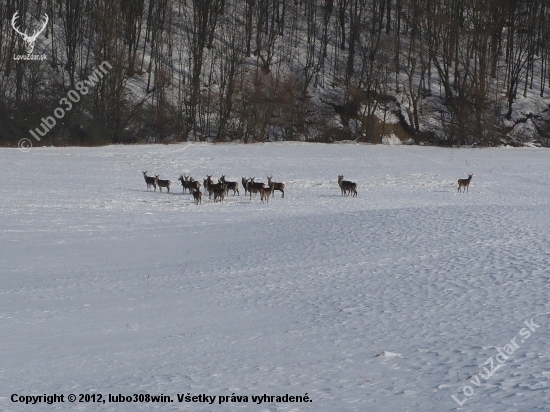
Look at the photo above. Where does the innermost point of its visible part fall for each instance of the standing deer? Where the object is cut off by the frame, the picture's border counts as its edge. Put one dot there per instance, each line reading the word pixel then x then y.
pixel 219 192
pixel 346 186
pixel 193 184
pixel 275 186
pixel 207 181
pixel 465 183
pixel 254 187
pixel 162 183
pixel 230 185
pixel 197 195
pixel 244 181
pixel 150 181
pixel 211 186
pixel 265 192
pixel 184 182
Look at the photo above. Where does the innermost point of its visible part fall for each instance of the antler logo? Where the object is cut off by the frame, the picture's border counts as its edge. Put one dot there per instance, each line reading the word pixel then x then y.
pixel 29 40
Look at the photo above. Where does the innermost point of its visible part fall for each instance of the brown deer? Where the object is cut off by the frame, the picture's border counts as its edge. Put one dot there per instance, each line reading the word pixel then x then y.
pixel 150 181
pixel 193 184
pixel 197 195
pixel 265 192
pixel 465 183
pixel 230 185
pixel 275 186
pixel 244 181
pixel 219 192
pixel 162 183
pixel 206 181
pixel 254 187
pixel 211 186
pixel 346 186
pixel 184 182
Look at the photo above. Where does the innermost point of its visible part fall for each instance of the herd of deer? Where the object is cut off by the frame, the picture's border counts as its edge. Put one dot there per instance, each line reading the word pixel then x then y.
pixel 222 188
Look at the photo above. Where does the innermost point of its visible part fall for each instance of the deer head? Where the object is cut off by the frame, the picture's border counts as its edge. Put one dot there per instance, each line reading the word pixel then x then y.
pixel 29 40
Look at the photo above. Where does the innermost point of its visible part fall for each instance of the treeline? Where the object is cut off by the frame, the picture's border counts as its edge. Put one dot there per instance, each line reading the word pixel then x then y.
pixel 257 70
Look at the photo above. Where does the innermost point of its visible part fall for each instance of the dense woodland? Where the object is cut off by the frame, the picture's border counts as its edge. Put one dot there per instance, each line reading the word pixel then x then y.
pixel 427 71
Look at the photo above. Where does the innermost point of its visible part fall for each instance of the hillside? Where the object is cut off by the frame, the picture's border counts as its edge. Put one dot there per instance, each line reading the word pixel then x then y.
pixel 426 72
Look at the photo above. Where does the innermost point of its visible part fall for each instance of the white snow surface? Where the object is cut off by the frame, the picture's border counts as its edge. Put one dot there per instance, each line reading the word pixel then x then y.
pixel 391 139
pixel 383 302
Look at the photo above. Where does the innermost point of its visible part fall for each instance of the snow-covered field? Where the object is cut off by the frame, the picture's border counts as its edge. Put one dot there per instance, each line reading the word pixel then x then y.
pixel 384 302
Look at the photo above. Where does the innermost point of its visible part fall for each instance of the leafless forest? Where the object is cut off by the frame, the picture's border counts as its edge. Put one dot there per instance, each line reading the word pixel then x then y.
pixel 447 72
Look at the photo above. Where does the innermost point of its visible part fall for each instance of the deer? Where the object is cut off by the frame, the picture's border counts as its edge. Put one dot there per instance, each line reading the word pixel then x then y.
pixel 211 186
pixel 230 185
pixel 197 195
pixel 184 182
pixel 207 181
pixel 464 183
pixel 162 183
pixel 244 181
pixel 275 186
pixel 346 186
pixel 254 187
pixel 219 192
pixel 150 181
pixel 265 192
pixel 29 40
pixel 193 184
